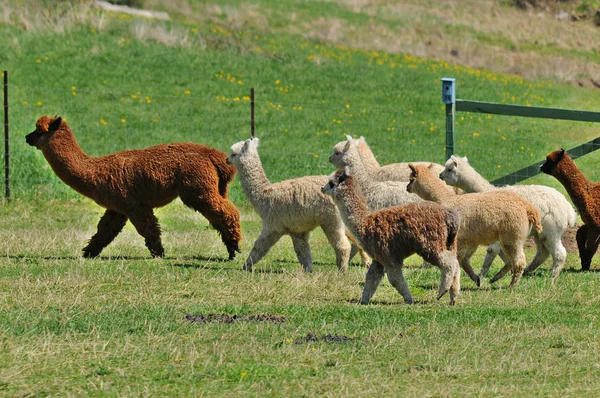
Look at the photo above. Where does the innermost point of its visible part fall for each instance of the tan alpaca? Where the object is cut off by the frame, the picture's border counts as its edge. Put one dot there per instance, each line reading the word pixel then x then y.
pixel 375 172
pixel 292 207
pixel 556 213
pixel 129 184
pixel 485 218
pixel 392 234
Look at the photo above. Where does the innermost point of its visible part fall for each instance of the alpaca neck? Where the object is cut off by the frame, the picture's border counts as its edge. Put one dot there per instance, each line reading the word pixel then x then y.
pixel 436 191
pixel 368 159
pixel 472 181
pixel 253 178
pixel 359 171
pixel 574 182
pixel 69 162
pixel 353 209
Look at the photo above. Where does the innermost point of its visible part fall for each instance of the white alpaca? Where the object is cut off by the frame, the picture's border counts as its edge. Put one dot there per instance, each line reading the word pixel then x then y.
pixel 293 207
pixel 378 194
pixel 485 218
pixel 556 213
pixel 375 172
pixel 392 234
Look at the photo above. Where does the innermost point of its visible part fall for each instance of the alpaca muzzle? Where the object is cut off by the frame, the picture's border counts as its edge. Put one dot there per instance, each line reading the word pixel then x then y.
pixel 32 138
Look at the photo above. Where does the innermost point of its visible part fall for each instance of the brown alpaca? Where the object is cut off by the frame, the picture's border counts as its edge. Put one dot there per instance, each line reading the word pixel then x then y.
pixel 392 234
pixel 585 195
pixel 129 184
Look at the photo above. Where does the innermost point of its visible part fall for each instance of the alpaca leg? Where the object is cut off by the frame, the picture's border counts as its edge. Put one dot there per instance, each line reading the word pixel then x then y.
pixel 448 265
pixel 146 224
pixel 355 248
pixel 396 278
pixel 263 244
pixel 464 255
pixel 455 288
pixel 302 249
pixel 491 252
pixel 516 258
pixel 585 254
pixel 559 255
pixel 220 212
pixel 109 227
pixel 338 239
pixel 540 256
pixel 372 279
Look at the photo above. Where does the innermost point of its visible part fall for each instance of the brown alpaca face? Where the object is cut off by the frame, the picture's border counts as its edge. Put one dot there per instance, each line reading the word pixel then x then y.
pixel 45 128
pixel 551 161
pixel 335 179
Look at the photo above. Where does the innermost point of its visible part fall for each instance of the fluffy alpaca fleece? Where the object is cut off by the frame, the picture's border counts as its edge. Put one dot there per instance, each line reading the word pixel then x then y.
pixel 585 194
pixel 390 235
pixel 293 207
pixel 485 218
pixel 378 194
pixel 556 213
pixel 375 172
pixel 129 184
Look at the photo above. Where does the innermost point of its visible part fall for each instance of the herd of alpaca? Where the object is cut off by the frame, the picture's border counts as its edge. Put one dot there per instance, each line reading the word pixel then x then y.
pixel 441 213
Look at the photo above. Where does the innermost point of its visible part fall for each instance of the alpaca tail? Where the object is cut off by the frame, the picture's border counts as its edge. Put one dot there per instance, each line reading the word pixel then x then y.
pixel 452 224
pixel 225 172
pixel 533 215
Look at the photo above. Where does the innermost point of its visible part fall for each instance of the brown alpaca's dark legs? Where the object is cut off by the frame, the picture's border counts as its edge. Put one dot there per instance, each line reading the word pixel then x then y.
pixel 221 214
pixel 109 227
pixel 146 224
pixel 585 254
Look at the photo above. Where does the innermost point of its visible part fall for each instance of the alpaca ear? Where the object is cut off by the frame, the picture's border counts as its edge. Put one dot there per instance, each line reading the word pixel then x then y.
pixel 412 169
pixel 465 159
pixel 454 160
pixel 561 154
pixel 362 139
pixel 430 166
pixel 54 125
pixel 348 138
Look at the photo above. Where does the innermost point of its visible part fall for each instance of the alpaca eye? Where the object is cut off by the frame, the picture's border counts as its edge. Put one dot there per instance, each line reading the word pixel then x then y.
pixel 330 184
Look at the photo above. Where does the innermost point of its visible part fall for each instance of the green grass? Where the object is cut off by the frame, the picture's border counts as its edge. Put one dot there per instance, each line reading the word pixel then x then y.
pixel 116 325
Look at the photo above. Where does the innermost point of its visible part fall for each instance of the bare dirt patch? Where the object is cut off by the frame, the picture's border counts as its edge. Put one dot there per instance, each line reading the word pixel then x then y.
pixel 327 338
pixel 226 318
pixel 568 240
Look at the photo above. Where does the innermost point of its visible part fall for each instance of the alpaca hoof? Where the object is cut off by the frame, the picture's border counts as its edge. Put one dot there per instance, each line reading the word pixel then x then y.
pixel 478 281
pixel 158 253
pixel 233 249
pixel 247 267
pixel 87 253
pixel 441 294
pixel 409 300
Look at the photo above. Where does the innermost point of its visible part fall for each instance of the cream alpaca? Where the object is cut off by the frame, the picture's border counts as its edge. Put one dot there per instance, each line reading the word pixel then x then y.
pixel 378 194
pixel 293 207
pixel 556 213
pixel 375 172
pixel 390 235
pixel 485 218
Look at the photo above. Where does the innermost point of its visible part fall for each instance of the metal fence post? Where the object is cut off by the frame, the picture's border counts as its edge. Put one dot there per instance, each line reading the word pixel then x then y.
pixel 449 98
pixel 6 142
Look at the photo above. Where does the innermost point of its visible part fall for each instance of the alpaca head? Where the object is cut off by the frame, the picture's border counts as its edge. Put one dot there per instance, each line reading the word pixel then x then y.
pixel 240 150
pixel 450 173
pixel 421 178
pixel 337 182
pixel 339 151
pixel 552 161
pixel 45 129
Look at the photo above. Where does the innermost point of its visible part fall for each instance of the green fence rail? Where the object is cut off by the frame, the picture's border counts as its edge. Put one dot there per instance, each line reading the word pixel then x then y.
pixel 458 105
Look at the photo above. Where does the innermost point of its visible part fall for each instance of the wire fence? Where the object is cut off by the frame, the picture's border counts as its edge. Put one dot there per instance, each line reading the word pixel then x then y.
pixel 296 138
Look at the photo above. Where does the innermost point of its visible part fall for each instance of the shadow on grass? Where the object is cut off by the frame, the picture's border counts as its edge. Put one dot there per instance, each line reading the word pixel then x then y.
pixel 580 271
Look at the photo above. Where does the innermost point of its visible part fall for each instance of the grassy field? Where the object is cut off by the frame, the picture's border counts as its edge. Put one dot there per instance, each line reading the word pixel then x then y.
pixel 126 324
